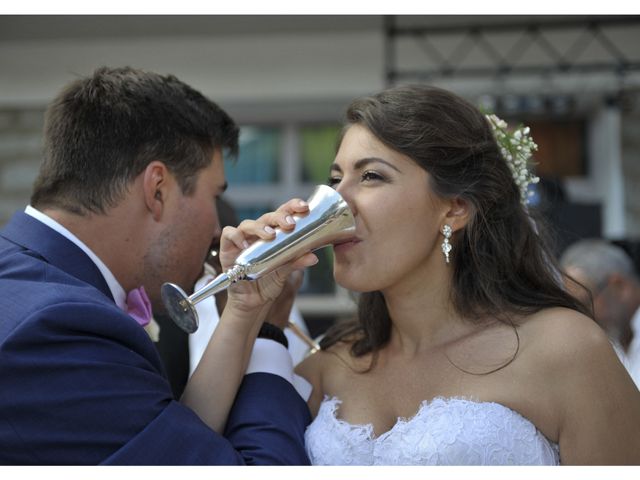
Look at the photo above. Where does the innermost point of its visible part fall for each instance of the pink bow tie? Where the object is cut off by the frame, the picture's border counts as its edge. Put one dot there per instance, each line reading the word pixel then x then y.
pixel 139 306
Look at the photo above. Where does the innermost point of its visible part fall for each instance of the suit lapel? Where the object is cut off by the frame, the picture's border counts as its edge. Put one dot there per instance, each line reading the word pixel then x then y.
pixel 30 233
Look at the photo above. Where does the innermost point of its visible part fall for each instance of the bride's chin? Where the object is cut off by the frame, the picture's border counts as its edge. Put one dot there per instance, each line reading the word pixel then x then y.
pixel 350 282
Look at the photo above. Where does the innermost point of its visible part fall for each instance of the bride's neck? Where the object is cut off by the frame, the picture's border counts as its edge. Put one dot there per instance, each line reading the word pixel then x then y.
pixel 421 317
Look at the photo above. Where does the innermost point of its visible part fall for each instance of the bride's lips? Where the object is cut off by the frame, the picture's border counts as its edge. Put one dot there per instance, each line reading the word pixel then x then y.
pixel 344 246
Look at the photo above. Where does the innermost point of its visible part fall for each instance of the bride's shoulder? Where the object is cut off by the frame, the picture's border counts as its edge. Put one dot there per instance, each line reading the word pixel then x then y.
pixel 315 365
pixel 322 369
pixel 561 321
pixel 562 334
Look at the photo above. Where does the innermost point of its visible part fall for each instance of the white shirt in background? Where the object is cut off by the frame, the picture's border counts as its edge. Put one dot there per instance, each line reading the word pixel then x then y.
pixel 267 356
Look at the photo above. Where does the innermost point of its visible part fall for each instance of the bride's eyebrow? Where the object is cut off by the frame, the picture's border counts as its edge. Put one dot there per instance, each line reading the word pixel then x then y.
pixel 363 162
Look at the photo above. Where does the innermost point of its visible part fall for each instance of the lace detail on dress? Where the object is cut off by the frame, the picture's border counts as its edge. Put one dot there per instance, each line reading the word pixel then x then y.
pixel 453 431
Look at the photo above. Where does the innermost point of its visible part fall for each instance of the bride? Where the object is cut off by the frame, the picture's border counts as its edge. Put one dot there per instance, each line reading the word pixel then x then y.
pixel 466 349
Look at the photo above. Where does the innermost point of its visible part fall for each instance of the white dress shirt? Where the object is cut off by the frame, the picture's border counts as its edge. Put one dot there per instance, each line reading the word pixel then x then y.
pixel 633 352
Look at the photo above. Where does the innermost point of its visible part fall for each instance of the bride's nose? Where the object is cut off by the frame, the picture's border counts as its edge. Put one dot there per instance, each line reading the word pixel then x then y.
pixel 347 194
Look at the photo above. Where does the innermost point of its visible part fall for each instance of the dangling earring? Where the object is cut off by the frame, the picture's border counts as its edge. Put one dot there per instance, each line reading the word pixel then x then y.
pixel 446 246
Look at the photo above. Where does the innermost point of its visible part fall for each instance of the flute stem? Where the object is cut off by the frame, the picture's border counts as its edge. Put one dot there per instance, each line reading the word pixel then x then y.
pixel 313 345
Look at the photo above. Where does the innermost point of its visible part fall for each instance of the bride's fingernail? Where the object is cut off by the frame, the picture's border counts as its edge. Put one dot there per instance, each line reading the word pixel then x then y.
pixel 303 203
pixel 290 220
pixel 269 230
pixel 245 244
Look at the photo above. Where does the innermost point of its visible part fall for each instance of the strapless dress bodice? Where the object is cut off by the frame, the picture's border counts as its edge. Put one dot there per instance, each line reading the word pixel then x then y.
pixel 444 431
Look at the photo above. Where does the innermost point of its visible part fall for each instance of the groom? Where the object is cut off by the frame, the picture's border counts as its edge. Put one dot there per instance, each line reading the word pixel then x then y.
pixel 125 197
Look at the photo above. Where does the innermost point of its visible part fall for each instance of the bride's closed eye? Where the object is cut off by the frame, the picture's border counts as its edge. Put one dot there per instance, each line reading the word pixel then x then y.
pixel 372 176
pixel 367 176
pixel 333 181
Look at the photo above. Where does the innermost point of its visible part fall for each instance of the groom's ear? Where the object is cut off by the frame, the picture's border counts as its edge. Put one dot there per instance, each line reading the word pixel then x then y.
pixel 155 184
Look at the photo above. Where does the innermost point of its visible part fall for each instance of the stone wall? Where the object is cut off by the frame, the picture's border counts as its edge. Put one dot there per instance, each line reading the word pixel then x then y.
pixel 20 155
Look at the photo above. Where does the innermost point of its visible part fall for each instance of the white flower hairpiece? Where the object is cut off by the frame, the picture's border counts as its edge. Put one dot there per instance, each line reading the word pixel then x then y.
pixel 516 147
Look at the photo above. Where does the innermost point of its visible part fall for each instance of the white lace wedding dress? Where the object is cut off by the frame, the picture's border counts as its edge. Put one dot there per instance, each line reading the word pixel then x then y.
pixel 453 431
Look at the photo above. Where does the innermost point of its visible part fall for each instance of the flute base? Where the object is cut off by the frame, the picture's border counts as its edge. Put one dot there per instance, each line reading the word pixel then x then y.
pixel 179 307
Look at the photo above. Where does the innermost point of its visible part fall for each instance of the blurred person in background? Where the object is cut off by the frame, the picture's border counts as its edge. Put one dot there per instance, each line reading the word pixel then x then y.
pixel 604 274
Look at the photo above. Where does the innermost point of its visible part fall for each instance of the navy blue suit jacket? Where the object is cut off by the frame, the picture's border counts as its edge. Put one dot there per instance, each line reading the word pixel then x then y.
pixel 81 382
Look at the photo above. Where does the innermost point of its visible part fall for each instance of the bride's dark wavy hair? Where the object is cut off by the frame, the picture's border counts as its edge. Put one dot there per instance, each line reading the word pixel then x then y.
pixel 502 266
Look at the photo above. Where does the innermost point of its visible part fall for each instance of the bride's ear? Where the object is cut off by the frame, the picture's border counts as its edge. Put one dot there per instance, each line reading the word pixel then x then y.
pixel 458 213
